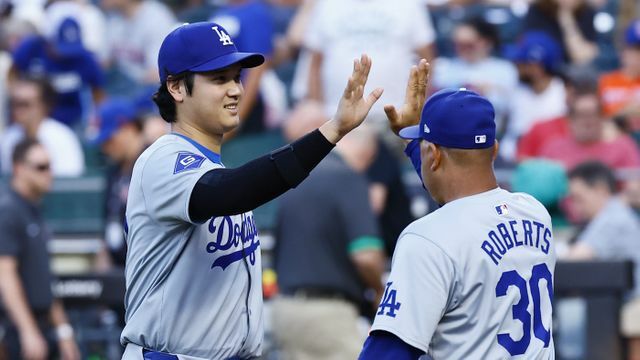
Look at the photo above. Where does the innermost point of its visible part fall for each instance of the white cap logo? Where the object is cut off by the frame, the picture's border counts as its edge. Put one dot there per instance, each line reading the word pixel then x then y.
pixel 225 39
pixel 426 129
pixel 481 139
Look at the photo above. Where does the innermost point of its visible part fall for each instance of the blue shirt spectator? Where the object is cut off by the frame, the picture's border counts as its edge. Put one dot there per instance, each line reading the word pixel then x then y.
pixel 71 69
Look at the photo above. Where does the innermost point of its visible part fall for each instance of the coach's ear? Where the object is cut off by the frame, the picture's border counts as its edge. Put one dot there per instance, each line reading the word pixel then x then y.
pixel 435 155
pixel 496 148
pixel 177 89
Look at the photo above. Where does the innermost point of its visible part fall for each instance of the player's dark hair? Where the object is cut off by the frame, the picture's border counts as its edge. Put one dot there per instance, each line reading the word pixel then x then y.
pixel 594 173
pixel 21 150
pixel 164 100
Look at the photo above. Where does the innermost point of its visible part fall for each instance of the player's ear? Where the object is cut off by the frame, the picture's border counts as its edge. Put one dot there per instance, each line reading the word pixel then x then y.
pixel 177 89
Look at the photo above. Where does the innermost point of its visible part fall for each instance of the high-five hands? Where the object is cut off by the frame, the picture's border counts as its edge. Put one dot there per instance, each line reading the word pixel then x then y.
pixel 353 107
pixel 414 99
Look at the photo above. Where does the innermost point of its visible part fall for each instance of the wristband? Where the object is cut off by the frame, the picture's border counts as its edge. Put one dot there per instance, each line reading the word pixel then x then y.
pixel 64 331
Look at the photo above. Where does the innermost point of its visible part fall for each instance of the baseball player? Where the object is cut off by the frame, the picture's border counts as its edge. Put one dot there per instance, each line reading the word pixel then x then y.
pixel 193 270
pixel 473 279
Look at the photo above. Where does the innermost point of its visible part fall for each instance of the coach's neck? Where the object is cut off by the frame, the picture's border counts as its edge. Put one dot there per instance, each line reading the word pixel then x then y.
pixel 465 173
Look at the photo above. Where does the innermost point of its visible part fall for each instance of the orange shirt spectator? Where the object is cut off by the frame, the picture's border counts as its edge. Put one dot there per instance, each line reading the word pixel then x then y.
pixel 620 90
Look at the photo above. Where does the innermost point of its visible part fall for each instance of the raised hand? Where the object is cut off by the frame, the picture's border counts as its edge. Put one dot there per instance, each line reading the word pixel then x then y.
pixel 414 99
pixel 353 107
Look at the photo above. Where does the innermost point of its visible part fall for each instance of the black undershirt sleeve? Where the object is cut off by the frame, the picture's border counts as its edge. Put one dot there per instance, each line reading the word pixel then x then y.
pixel 223 191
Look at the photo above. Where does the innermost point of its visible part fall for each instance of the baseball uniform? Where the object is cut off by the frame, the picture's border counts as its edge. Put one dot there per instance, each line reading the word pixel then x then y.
pixel 473 279
pixel 478 291
pixel 189 285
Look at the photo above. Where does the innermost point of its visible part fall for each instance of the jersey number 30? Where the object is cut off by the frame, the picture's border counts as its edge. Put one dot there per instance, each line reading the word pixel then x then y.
pixel 519 310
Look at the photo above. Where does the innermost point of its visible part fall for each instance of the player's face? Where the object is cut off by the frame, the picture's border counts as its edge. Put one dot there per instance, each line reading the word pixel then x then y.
pixel 215 100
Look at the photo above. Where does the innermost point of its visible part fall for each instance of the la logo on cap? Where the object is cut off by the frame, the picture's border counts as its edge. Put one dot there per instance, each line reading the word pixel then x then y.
pixel 225 39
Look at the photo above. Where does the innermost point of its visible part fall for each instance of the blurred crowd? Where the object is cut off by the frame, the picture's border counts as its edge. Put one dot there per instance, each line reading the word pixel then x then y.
pixel 77 79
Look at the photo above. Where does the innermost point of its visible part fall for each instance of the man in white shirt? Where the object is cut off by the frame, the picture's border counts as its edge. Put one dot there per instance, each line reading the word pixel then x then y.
pixel 30 101
pixel 136 31
pixel 394 33
pixel 541 94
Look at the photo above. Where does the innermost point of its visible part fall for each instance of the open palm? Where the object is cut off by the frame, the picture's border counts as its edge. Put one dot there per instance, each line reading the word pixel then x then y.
pixel 415 96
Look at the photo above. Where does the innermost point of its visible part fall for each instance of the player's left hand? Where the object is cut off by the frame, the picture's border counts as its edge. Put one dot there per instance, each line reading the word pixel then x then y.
pixel 353 107
pixel 414 99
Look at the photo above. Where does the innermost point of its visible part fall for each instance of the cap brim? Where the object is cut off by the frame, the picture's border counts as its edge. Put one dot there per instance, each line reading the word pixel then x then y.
pixel 411 132
pixel 246 60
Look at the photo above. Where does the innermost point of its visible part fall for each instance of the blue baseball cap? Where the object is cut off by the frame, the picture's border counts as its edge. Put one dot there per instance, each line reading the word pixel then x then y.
pixel 67 39
pixel 538 47
pixel 201 47
pixel 112 114
pixel 632 34
pixel 455 118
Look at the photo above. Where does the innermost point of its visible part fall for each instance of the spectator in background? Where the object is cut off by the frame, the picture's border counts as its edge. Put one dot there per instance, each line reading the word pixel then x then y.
pixel 121 140
pixel 570 23
pixel 70 67
pixel 250 26
pixel 31 101
pixel 586 139
pixel 531 143
pixel 612 232
pixel 38 327
pixel 541 93
pixel 327 256
pixel 93 22
pixel 393 33
pixel 620 90
pixel 476 68
pixel 136 30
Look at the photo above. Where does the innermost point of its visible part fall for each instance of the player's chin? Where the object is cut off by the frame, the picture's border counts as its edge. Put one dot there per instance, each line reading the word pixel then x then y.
pixel 230 123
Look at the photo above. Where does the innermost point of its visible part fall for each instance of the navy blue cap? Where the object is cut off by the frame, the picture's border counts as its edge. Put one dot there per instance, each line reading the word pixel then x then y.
pixel 455 118
pixel 67 40
pixel 538 47
pixel 200 47
pixel 112 114
pixel 632 34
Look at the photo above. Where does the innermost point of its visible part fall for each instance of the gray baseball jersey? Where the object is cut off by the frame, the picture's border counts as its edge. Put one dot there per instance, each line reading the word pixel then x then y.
pixel 193 289
pixel 474 280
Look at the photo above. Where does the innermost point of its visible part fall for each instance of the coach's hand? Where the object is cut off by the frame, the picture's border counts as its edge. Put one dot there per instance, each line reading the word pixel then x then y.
pixel 353 107
pixel 414 98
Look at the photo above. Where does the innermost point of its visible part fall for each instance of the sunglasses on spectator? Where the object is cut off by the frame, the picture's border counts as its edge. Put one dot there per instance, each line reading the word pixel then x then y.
pixel 41 167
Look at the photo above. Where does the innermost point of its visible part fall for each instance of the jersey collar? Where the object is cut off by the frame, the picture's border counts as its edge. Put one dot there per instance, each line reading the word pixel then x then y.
pixel 208 153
